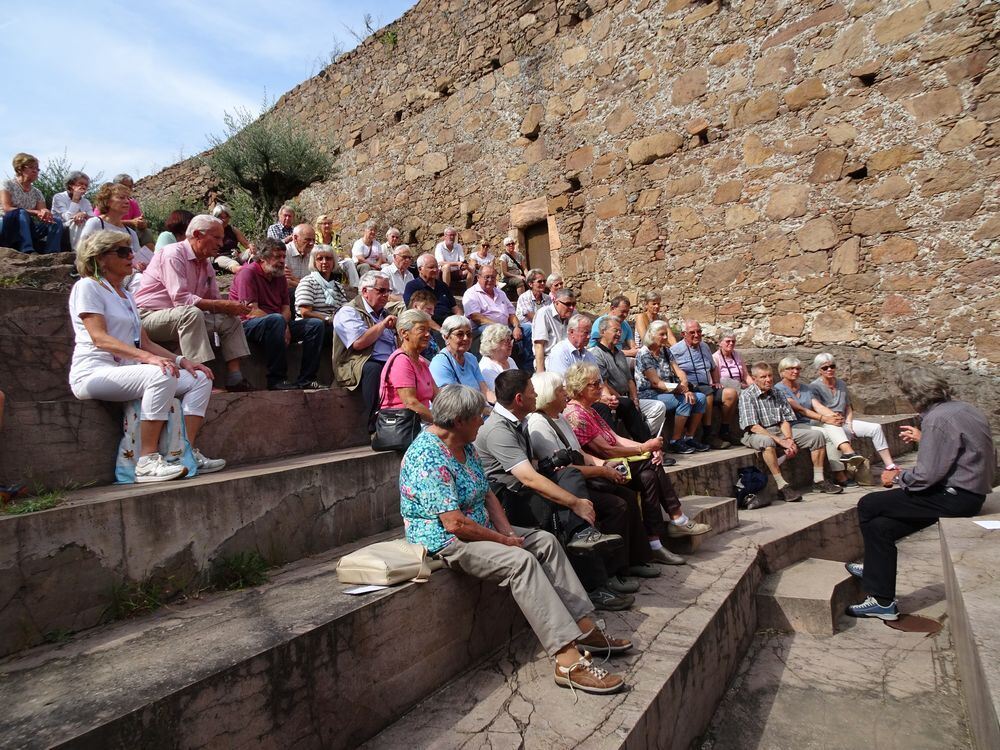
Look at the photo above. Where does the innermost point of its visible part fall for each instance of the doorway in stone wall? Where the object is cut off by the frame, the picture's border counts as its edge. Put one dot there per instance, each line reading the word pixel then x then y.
pixel 536 246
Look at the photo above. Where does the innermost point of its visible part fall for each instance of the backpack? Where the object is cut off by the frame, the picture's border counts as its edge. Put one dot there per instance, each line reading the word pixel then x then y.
pixel 750 481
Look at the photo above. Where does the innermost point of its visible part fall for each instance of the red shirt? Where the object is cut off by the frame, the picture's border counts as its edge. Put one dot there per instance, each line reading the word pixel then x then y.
pixel 253 285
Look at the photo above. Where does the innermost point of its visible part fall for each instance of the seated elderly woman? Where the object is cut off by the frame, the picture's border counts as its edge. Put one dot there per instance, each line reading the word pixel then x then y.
pixel 231 257
pixel 649 315
pixel 831 392
pixel 407 382
pixel 28 226
pixel 318 293
pixel 112 201
pixel 657 376
pixel 583 386
pixel 72 206
pixel 447 506
pixel 495 345
pixel 454 363
pixel 809 411
pixel 535 298
pixel 114 360
pixel 175 226
pixel 554 444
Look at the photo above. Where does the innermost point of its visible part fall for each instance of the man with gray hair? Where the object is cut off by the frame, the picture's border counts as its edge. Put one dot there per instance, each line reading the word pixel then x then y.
pixel 573 348
pixel 179 301
pixel 367 251
pixel 297 258
pixel 551 324
pixel 282 230
pixel 365 337
pixel 450 256
pixel 399 271
pixel 427 278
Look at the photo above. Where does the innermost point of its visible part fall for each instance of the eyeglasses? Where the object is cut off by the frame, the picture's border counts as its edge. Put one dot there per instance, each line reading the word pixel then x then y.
pixel 461 334
pixel 828 367
pixel 594 384
pixel 694 333
pixel 121 252
pixel 793 368
pixel 380 290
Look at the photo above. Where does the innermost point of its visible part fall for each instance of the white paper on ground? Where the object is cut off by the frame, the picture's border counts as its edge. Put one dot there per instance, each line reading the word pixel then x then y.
pixel 364 589
pixel 989 524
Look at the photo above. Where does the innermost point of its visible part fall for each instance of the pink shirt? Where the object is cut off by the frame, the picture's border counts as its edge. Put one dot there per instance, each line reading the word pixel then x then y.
pixel 175 277
pixel 497 308
pixel 730 367
pixel 587 424
pixel 404 373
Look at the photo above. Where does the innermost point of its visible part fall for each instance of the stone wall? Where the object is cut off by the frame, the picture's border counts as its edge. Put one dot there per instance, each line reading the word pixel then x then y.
pixel 808 173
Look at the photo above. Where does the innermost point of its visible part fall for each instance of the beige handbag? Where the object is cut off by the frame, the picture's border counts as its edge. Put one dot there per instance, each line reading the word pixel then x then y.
pixel 387 563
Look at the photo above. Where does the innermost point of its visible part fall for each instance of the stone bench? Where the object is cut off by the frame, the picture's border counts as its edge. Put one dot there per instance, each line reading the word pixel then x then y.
pixel 972 584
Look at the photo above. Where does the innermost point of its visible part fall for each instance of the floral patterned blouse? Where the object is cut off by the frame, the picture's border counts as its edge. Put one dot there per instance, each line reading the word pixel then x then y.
pixel 587 424
pixel 645 360
pixel 431 482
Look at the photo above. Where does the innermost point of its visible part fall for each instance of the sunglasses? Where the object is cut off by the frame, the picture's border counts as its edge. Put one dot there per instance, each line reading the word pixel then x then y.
pixel 121 252
pixel 828 367
pixel 566 304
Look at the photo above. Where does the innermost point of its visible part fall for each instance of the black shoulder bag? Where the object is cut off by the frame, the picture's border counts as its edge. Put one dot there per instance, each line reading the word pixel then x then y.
pixel 395 429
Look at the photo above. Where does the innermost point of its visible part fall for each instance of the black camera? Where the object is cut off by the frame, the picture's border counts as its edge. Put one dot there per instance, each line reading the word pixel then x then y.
pixel 558 460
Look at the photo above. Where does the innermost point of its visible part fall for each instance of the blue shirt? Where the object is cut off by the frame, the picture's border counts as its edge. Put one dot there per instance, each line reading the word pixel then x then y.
pixel 445 304
pixel 446 370
pixel 595 336
pixel 350 325
pixel 564 355
pixel 432 482
pixel 697 363
pixel 805 399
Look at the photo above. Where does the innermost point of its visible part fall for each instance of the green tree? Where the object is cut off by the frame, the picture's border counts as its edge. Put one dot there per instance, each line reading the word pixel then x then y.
pixel 262 162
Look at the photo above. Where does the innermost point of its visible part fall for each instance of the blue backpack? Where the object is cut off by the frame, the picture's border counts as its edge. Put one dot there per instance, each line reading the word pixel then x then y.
pixel 749 482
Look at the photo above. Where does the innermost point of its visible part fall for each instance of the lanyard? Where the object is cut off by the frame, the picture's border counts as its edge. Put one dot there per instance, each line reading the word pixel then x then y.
pixel 729 370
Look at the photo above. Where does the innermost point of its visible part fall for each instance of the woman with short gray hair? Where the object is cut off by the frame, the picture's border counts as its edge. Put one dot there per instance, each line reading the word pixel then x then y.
pixel 454 363
pixel 318 293
pixel 72 205
pixel 954 473
pixel 406 380
pixel 535 298
pixel 831 392
pixel 448 507
pixel 495 345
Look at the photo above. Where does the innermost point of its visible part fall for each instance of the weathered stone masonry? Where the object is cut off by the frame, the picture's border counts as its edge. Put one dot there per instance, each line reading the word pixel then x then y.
pixel 810 173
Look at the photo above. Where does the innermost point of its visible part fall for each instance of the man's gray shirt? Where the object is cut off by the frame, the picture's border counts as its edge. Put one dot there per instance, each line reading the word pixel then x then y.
pixel 956 450
pixel 502 445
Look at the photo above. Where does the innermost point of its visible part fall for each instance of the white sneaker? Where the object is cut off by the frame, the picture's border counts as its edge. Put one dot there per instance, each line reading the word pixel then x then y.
pixel 153 468
pixel 208 465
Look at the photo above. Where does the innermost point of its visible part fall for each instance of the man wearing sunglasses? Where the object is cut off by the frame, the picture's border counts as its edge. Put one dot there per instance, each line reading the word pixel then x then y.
pixel 551 324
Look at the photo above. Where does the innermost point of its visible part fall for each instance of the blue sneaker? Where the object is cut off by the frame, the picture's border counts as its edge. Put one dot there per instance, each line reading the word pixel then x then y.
pixel 679 446
pixel 871 608
pixel 856 569
pixel 697 445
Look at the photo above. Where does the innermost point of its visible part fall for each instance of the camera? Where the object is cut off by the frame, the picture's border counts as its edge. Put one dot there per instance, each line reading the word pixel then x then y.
pixel 558 460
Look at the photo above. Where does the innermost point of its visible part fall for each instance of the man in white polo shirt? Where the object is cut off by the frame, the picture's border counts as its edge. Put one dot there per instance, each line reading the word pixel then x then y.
pixel 450 256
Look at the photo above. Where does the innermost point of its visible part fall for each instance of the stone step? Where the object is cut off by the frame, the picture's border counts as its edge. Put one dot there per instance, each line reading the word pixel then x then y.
pixel 29 312
pixel 290 663
pixel 971 557
pixel 807 597
pixel 72 443
pixel 60 568
pixel 35 368
pixel 719 512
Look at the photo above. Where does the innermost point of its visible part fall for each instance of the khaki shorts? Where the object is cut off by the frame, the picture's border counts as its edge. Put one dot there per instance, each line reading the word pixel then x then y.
pixel 805 437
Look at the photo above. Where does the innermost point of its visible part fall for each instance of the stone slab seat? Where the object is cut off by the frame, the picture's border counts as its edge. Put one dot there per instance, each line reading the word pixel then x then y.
pixel 35 368
pixel 59 568
pixel 719 512
pixel 29 312
pixel 971 557
pixel 294 663
pixel 807 597
pixel 71 443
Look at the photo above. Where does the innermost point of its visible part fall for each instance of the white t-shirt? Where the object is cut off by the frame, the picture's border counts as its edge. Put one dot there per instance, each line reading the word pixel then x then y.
pixel 444 255
pixel 96 224
pixel 489 260
pixel 490 368
pixel 365 253
pixel 121 318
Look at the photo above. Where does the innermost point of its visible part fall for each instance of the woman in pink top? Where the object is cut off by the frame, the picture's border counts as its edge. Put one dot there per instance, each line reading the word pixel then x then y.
pixel 406 378
pixel 732 370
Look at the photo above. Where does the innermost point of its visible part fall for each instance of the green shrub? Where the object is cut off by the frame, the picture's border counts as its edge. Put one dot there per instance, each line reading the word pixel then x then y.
pixel 157 209
pixel 52 179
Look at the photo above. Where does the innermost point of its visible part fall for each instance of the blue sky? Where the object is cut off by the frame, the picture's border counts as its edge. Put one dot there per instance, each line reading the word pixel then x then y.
pixel 134 87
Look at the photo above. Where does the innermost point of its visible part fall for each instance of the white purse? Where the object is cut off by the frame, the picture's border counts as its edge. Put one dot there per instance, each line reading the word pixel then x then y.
pixel 387 563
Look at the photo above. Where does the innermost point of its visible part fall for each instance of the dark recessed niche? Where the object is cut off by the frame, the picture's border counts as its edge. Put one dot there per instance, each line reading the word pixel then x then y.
pixel 574 183
pixel 867 79
pixel 468 220
pixel 495 63
pixel 398 116
pixel 703 137
pixel 858 174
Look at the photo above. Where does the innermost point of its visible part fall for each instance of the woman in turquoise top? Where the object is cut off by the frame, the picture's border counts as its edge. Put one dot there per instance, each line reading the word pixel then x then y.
pixel 448 507
pixel 454 364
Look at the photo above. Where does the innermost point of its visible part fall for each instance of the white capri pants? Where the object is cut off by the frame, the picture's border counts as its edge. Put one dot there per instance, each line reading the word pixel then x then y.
pixel 836 435
pixel 152 385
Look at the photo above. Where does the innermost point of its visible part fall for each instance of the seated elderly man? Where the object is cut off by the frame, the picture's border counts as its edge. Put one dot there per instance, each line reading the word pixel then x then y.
pixel 766 420
pixel 297 256
pixel 179 300
pixel 398 271
pixel 573 348
pixel 529 498
pixel 953 475
pixel 282 230
pixel 447 506
pixel 551 324
pixel 643 418
pixel 365 337
pixel 367 251
pixel 262 286
pixel 620 308
pixel 450 256
pixel 695 358
pixel 485 304
pixel 427 278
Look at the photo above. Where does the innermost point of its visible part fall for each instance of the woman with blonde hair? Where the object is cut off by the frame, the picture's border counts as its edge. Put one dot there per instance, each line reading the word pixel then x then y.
pixel 651 313
pixel 114 359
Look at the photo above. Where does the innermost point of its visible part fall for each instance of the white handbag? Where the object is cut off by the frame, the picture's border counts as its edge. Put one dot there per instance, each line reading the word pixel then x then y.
pixel 387 563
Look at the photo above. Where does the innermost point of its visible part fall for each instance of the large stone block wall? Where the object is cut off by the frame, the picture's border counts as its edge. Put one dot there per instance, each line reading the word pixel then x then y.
pixel 808 173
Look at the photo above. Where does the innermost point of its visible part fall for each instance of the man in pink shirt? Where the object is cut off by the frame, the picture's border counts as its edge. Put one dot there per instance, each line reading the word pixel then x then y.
pixel 179 301
pixel 484 304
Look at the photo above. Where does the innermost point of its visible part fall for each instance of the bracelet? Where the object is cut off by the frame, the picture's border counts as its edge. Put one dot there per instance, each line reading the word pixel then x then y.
pixel 177 361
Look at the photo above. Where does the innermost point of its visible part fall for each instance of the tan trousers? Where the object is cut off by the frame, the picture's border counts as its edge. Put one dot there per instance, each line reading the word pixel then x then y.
pixel 194 330
pixel 540 578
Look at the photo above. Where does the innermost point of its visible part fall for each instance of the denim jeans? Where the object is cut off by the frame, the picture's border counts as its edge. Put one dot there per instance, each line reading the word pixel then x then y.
pixel 680 405
pixel 269 332
pixel 23 232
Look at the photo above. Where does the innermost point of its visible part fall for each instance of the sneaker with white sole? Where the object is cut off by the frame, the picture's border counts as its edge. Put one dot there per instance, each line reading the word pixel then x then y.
pixel 153 468
pixel 854 460
pixel 208 465
pixel 586 676
pixel 598 641
pixel 691 528
pixel 871 608
pixel 855 569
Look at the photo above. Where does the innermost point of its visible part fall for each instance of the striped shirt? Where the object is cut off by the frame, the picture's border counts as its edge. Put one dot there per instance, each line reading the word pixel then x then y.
pixel 310 293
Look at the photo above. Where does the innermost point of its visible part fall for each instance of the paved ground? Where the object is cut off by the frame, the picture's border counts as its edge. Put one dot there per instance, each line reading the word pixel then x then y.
pixel 866 686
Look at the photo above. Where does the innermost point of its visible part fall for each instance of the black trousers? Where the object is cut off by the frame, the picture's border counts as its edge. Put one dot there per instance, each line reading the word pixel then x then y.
pixel 656 491
pixel 886 517
pixel 631 418
pixel 371 374
pixel 618 512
